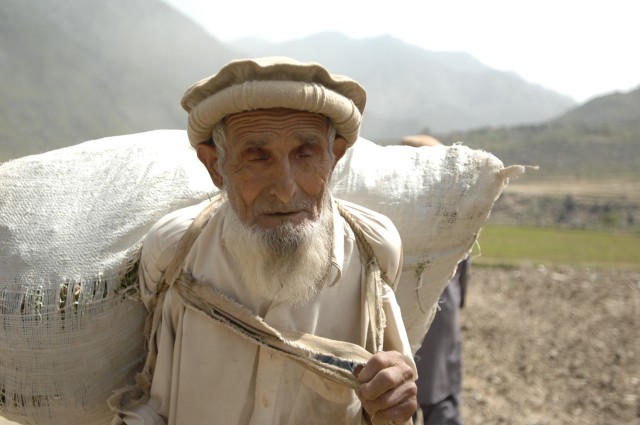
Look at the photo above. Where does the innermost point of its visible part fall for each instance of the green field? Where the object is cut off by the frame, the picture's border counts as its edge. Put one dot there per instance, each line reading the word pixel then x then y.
pixel 508 245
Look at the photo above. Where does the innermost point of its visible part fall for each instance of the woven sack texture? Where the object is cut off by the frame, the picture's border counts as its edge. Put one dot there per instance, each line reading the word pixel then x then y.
pixel 71 225
pixel 72 222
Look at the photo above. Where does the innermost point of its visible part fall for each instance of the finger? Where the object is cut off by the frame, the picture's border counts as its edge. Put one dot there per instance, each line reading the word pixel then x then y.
pixel 357 370
pixel 385 380
pixel 378 362
pixel 396 403
pixel 399 413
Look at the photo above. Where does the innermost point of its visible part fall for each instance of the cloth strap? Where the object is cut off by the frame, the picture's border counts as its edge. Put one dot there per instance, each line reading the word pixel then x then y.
pixel 335 360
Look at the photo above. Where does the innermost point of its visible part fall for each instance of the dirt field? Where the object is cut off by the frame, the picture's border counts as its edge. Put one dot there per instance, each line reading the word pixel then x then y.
pixel 552 346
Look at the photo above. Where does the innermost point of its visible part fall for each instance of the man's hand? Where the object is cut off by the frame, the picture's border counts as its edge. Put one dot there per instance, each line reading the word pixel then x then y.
pixel 387 388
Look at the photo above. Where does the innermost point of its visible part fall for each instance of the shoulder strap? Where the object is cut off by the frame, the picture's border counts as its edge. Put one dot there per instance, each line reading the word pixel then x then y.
pixel 374 281
pixel 175 266
pixel 363 245
pixel 174 269
pixel 130 396
pixel 168 278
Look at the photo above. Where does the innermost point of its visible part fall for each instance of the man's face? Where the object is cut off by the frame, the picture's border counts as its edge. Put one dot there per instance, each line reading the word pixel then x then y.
pixel 277 166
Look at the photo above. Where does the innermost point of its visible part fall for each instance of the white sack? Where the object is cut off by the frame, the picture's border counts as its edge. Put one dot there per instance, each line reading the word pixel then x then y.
pixel 75 219
pixel 438 197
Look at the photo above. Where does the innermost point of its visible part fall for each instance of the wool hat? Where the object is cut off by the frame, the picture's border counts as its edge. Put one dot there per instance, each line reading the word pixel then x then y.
pixel 274 82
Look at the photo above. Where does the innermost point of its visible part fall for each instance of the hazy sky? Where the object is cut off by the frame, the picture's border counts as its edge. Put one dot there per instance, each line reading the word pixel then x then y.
pixel 579 48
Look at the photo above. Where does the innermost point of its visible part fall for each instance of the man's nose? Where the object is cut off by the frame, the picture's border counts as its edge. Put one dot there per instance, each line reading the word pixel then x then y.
pixel 284 185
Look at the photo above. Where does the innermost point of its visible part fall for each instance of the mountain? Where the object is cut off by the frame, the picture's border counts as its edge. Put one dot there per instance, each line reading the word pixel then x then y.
pixel 76 70
pixel 411 89
pixel 600 138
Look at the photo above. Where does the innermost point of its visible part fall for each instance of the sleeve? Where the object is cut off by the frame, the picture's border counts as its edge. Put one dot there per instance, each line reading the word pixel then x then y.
pixel 155 408
pixel 395 335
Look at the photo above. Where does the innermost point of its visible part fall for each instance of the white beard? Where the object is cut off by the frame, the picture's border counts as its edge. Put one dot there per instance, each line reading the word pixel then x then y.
pixel 288 263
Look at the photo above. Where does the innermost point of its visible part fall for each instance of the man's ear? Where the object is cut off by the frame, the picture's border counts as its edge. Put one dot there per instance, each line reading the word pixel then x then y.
pixel 208 155
pixel 339 148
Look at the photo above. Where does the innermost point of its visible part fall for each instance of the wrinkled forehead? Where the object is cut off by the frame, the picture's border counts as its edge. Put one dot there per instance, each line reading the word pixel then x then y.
pixel 275 117
pixel 275 120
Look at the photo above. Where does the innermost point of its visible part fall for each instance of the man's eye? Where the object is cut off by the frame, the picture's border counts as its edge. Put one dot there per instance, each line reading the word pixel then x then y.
pixel 306 151
pixel 257 155
pixel 258 158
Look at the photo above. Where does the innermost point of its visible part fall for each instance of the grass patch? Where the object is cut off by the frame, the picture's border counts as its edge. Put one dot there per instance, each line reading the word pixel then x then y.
pixel 508 245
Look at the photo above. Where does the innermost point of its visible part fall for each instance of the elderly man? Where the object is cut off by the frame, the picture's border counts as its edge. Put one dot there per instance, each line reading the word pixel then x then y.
pixel 272 303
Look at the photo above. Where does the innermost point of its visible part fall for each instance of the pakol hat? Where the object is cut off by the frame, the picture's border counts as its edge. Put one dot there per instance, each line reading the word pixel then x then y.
pixel 273 82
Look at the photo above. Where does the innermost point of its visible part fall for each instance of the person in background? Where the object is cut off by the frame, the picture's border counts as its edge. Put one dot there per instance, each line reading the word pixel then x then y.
pixel 439 359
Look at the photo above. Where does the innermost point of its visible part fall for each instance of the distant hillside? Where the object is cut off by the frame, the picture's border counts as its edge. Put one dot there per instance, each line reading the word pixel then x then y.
pixel 411 89
pixel 75 70
pixel 598 139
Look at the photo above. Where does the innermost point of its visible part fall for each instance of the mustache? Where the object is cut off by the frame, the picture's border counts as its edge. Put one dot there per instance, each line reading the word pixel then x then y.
pixel 270 205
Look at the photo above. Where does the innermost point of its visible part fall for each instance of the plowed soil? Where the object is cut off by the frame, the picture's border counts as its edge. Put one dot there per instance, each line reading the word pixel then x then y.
pixel 552 346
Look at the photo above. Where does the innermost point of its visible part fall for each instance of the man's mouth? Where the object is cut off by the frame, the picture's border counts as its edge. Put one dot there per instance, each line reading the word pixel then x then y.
pixel 279 217
pixel 287 214
pixel 284 213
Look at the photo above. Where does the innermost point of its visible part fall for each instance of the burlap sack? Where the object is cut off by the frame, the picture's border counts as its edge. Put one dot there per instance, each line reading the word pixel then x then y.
pixel 438 197
pixel 72 222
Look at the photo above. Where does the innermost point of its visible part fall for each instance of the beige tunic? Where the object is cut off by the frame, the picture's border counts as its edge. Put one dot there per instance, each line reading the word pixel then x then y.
pixel 206 374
